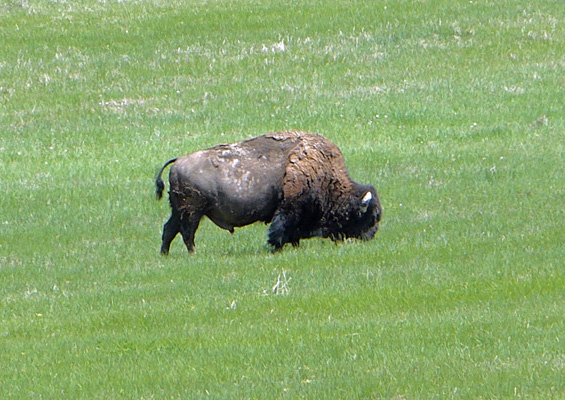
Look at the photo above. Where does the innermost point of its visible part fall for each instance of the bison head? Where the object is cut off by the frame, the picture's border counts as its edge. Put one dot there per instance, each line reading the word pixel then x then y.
pixel 363 214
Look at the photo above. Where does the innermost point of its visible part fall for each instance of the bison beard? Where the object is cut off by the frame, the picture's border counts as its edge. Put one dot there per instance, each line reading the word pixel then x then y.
pixel 294 180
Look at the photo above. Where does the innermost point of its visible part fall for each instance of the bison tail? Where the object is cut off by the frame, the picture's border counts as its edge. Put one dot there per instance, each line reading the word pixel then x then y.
pixel 159 184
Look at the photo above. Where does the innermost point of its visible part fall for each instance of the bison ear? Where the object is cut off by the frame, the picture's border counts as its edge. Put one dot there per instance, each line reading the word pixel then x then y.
pixel 365 202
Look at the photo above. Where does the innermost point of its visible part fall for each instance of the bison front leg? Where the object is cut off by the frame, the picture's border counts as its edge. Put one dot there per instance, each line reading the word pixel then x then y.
pixel 283 230
pixel 277 237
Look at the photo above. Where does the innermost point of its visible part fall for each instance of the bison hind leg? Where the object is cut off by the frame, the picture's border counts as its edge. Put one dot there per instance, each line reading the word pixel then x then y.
pixel 170 231
pixel 188 226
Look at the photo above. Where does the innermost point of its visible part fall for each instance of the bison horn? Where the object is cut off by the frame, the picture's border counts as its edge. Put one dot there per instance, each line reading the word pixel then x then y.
pixel 365 202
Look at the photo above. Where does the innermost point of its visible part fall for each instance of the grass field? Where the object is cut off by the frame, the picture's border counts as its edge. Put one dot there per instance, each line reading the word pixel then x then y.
pixel 453 110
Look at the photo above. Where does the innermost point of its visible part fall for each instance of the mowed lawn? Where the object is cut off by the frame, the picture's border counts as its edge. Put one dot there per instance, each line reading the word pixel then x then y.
pixel 453 110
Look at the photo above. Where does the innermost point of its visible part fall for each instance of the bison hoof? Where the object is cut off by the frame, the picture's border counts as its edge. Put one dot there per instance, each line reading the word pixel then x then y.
pixel 275 249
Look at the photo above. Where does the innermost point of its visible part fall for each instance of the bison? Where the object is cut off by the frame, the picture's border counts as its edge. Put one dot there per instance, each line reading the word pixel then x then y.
pixel 296 181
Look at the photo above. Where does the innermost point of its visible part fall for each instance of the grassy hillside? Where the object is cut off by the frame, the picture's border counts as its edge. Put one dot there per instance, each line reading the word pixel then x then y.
pixel 453 110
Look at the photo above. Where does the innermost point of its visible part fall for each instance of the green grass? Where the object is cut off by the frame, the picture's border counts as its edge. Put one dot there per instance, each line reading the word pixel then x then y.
pixel 452 109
